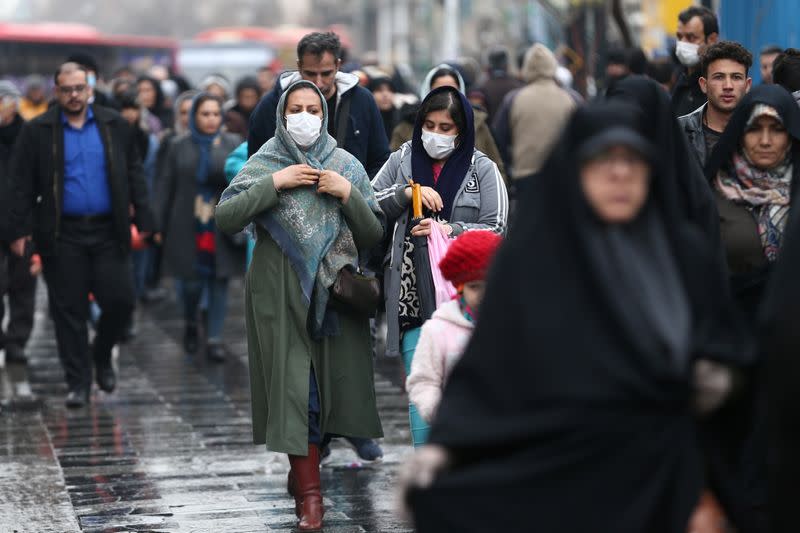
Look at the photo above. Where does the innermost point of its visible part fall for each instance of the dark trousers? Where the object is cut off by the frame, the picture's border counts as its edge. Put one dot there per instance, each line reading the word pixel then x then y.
pixel 19 285
pixel 88 259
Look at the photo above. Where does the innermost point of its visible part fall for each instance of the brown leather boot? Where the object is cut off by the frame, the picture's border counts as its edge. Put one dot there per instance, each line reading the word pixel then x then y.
pixel 305 471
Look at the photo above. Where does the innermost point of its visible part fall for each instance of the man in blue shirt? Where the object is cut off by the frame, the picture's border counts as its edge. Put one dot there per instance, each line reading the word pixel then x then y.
pixel 77 177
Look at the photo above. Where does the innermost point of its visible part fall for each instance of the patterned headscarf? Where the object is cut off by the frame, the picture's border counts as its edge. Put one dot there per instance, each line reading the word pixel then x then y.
pixel 309 228
pixel 764 192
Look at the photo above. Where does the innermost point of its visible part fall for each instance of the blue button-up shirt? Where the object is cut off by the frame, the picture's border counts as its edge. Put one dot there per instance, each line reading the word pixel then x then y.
pixel 86 189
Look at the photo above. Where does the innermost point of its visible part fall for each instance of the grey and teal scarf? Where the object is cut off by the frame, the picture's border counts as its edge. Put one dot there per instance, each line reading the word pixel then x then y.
pixel 308 227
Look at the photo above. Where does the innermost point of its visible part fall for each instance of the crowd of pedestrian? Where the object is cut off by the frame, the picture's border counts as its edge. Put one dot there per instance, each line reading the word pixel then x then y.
pixel 631 260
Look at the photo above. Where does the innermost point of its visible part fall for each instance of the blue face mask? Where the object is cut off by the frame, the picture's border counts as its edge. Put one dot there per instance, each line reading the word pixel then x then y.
pixel 92 80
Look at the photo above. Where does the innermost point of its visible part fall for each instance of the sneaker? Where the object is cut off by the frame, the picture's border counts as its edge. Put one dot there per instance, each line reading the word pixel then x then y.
pixel 366 449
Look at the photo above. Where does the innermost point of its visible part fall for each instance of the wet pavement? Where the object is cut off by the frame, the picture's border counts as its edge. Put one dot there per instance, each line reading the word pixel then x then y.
pixel 171 449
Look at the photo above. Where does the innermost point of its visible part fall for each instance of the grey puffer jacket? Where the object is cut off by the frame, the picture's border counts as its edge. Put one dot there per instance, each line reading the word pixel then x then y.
pixel 692 125
pixel 481 203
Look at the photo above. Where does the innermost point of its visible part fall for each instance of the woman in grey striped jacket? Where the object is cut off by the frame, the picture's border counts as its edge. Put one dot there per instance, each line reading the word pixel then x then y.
pixel 462 190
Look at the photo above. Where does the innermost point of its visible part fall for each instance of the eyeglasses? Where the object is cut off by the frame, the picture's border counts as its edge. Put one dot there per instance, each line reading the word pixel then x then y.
pixel 67 90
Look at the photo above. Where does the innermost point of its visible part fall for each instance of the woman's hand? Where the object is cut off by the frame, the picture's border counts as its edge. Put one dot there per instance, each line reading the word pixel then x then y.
pixel 430 198
pixel 426 226
pixel 295 176
pixel 333 183
pixel 423 468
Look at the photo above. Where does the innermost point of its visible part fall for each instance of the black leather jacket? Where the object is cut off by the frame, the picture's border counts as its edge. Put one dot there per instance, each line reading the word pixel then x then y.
pixel 692 125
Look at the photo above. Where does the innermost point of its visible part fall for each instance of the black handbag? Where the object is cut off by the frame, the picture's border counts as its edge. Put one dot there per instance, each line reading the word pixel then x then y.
pixel 356 293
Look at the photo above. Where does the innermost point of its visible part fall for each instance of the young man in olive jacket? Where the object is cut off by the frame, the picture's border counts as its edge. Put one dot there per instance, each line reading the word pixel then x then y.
pixel 77 178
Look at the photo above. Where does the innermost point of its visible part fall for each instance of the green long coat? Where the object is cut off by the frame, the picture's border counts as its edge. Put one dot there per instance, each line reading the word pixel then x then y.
pixel 280 349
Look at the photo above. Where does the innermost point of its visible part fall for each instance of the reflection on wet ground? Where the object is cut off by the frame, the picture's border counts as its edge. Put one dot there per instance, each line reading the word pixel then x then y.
pixel 171 449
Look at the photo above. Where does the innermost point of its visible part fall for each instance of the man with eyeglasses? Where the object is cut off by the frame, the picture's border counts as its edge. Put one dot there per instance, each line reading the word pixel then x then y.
pixel 78 181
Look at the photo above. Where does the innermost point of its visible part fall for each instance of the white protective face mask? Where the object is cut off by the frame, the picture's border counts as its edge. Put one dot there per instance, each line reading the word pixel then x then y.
pixel 687 53
pixel 437 145
pixel 304 128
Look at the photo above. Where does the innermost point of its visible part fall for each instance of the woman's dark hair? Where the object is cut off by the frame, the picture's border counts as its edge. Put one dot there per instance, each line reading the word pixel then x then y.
pixel 446 101
pixel 128 100
pixel 205 97
pixel 444 71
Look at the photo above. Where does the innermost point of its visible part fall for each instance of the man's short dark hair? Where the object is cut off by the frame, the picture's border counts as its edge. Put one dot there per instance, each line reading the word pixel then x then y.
pixel 85 60
pixel 498 59
pixel 771 49
pixel 725 50
pixel 617 56
pixel 786 70
pixel 709 19
pixel 318 43
pixel 69 66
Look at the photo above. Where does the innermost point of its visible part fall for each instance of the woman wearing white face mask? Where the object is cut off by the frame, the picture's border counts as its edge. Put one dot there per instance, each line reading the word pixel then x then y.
pixel 313 211
pixel 461 190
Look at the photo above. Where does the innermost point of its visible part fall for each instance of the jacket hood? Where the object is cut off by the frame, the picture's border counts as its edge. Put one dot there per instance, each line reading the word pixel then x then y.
pixel 796 96
pixel 540 64
pixel 425 88
pixel 344 81
pixel 451 312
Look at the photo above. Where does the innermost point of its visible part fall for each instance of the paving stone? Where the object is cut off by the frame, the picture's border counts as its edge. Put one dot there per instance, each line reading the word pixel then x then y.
pixel 171 450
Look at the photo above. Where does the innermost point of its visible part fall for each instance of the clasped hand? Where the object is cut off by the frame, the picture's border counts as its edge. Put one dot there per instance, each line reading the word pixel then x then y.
pixel 327 181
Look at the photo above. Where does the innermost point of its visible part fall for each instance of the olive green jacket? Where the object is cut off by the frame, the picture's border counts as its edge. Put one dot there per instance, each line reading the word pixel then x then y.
pixel 281 352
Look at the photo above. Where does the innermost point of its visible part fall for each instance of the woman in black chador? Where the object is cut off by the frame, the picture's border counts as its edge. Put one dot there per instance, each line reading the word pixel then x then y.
pixel 572 409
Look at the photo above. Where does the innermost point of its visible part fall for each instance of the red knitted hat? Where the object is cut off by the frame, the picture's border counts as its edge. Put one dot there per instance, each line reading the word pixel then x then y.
pixel 469 256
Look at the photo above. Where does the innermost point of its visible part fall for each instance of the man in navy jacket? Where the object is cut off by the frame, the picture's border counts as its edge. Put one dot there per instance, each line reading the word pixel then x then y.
pixel 354 119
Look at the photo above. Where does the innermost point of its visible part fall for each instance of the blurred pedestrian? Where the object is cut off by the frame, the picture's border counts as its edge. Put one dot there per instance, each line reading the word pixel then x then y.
pixel 355 121
pixel 780 344
pixel 462 190
pixel 445 336
pixel 76 168
pixel 152 98
pixel 34 102
pixel 500 82
pixel 766 60
pixel 382 90
pixel 98 95
pixel 617 65
pixel 531 119
pixel 312 207
pixel 247 96
pixel 752 170
pixel 216 85
pixel 786 72
pixel 697 28
pixel 724 79
pixel 147 143
pixel 196 252
pixel 447 76
pixel 17 274
pixel 696 201
pixel 663 71
pixel 561 421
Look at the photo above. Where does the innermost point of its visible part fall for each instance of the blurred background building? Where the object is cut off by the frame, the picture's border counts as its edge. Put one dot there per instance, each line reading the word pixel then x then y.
pixel 416 33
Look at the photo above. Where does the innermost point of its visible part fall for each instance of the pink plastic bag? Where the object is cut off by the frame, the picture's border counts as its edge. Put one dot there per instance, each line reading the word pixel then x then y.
pixel 438 243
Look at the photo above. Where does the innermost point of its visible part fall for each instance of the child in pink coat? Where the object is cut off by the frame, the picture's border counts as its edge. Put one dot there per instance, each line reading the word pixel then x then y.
pixel 445 336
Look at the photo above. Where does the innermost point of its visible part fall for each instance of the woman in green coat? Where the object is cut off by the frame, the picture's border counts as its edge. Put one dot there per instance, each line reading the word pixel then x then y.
pixel 312 209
